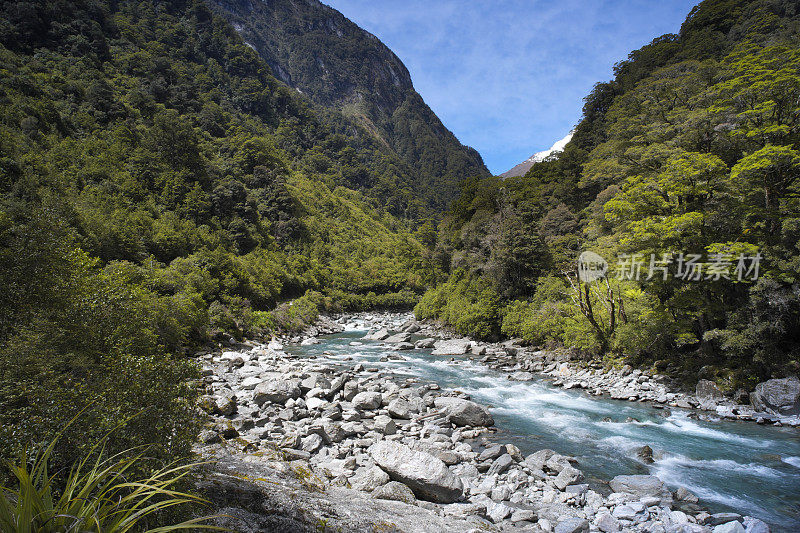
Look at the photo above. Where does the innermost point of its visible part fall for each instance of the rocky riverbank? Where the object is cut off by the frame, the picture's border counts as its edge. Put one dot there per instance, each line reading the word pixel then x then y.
pixel 306 443
pixel 776 401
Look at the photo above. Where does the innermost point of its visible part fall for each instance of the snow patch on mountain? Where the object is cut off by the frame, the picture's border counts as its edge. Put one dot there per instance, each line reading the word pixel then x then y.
pixel 522 168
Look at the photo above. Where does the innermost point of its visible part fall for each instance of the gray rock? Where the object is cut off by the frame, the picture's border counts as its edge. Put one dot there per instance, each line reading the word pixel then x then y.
pixel 515 453
pixel 451 347
pixel 778 396
pixel 225 404
pixel 209 436
pixel 396 491
pixel 464 412
pixel 276 391
pixel 423 344
pixel 606 523
pixel 721 518
pixel 642 485
pixel 498 511
pixel 312 443
pixel 684 495
pixel 337 385
pixel 411 328
pixel 400 337
pixel 730 527
pixel 379 335
pixel 572 525
pixel 521 515
pixel 367 400
pixel 350 389
pixel 250 383
pixel 402 346
pixel 537 460
pixel 567 476
pixel 645 453
pixel 557 463
pixel 491 453
pixel 579 489
pixel 385 425
pixel 400 408
pixel 292 454
pixel 369 479
pixel 500 465
pixel 708 390
pixel 754 525
pixel 625 512
pixel 428 477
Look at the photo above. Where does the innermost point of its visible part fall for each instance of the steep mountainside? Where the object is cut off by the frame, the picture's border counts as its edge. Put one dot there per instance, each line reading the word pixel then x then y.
pixel 159 188
pixel 690 154
pixel 315 49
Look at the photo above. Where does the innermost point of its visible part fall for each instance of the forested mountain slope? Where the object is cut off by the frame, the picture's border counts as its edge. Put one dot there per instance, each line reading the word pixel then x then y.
pixel 315 49
pixel 159 189
pixel 692 148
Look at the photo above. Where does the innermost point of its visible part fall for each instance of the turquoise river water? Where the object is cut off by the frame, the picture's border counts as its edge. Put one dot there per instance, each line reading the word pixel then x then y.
pixel 731 466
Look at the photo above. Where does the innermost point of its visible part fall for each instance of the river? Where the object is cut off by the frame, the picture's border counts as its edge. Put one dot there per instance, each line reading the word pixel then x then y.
pixel 732 466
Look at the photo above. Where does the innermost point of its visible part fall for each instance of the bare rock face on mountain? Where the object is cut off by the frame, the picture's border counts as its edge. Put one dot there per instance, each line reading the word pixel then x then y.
pixel 315 49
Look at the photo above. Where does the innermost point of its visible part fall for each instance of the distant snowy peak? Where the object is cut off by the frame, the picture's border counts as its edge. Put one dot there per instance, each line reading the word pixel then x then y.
pixel 557 147
pixel 525 166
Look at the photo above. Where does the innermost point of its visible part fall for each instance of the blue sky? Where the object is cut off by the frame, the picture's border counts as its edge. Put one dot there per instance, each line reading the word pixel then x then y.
pixel 508 76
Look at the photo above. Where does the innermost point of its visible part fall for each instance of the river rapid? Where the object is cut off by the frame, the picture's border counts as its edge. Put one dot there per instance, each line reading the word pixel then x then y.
pixel 732 466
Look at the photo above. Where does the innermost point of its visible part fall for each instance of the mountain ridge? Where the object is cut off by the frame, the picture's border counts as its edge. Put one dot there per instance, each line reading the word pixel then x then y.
pixel 317 50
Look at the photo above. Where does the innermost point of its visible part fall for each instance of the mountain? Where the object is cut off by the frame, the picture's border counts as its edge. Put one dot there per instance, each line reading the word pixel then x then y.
pixel 691 153
pixel 522 168
pixel 316 50
pixel 160 189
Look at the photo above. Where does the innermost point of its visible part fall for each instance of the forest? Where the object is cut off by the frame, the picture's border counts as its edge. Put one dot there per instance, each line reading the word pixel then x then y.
pixel 162 190
pixel 691 151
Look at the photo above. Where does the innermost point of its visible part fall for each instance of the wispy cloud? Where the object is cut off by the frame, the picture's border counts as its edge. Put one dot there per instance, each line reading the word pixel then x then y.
pixel 508 76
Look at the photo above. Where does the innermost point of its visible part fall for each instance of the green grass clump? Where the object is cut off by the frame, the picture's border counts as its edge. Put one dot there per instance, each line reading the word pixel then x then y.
pixel 97 496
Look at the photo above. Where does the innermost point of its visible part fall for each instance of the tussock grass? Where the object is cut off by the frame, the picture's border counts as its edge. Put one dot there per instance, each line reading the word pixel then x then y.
pixel 97 496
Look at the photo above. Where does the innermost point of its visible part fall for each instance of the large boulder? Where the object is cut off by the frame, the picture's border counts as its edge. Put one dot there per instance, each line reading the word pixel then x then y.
pixel 367 400
pixel 428 477
pixel 779 396
pixel 377 335
pixel 451 347
pixel 276 391
pixel 708 390
pixel 642 486
pixel 464 412
pixel 398 338
pixel 401 408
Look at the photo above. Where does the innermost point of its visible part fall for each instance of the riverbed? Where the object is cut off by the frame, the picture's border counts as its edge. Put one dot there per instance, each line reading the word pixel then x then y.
pixel 731 466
